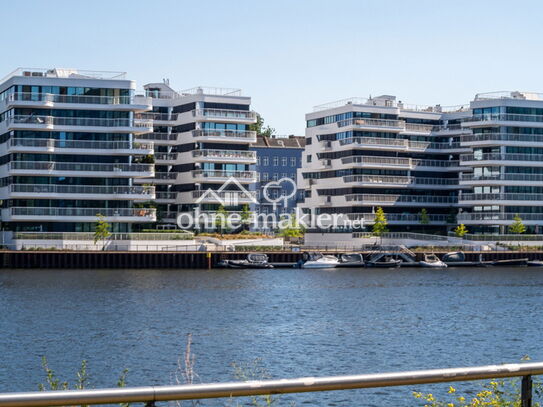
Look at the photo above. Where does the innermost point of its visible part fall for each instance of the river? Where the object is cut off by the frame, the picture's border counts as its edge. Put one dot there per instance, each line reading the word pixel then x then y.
pixel 297 322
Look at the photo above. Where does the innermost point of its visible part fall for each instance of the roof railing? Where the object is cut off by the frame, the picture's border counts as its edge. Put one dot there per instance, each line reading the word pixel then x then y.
pixel 68 73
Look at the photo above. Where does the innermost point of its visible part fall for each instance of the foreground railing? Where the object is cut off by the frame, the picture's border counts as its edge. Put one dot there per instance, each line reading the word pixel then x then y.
pixel 152 394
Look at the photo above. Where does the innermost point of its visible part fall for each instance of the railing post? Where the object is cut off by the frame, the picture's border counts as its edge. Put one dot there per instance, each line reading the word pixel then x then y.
pixel 526 391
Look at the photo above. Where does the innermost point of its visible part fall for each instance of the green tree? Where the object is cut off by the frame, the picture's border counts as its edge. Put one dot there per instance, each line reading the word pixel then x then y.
pixel 101 230
pixel 260 129
pixel 517 227
pixel 380 224
pixel 246 216
pixel 460 230
pixel 291 228
pixel 424 218
pixel 220 219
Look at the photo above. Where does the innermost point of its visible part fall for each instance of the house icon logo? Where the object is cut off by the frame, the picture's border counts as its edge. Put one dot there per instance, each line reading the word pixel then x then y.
pixel 228 197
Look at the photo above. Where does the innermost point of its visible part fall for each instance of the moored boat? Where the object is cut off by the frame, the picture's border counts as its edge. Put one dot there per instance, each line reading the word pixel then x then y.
pixel 431 260
pixel 384 262
pixel 253 261
pixel 317 260
pixel 351 260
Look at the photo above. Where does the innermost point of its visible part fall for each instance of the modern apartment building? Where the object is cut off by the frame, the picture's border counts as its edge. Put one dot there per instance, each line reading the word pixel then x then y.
pixel 68 151
pixel 278 159
pixel 504 168
pixel 362 154
pixel 202 141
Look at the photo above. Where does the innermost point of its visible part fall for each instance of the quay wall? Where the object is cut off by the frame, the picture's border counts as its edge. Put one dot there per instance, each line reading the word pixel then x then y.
pixel 182 260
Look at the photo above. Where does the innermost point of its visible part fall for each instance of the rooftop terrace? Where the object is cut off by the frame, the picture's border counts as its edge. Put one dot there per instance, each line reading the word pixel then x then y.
pixel 64 73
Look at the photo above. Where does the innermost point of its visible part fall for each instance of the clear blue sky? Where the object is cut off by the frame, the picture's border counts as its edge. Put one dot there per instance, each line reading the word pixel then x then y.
pixel 289 55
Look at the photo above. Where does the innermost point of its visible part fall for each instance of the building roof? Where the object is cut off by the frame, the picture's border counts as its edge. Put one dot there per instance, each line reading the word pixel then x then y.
pixel 280 142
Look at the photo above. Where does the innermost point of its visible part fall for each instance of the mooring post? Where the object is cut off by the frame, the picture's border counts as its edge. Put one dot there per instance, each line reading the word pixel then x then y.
pixel 526 391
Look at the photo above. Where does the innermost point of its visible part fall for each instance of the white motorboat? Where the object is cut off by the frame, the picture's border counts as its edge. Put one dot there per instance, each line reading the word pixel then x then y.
pixel 431 260
pixel 320 261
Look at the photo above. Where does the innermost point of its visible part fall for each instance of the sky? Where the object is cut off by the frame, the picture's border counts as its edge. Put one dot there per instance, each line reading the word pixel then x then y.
pixel 289 55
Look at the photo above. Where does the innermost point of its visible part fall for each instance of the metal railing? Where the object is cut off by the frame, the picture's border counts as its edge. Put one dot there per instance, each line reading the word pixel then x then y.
pixel 224 194
pixel 78 121
pixel 501 197
pixel 157 136
pixel 370 198
pixel 165 175
pixel 166 156
pixel 152 394
pixel 88 212
pixel 82 189
pixel 501 157
pixel 375 160
pixel 112 237
pixel 526 138
pixel 362 122
pixel 477 216
pixel 502 177
pixel 504 117
pixel 225 114
pixel 401 217
pixel 62 166
pixel 166 195
pixel 379 179
pixel 224 174
pixel 234 154
pixel 241 134
pixel 55 98
pixel 434 163
pixel 83 144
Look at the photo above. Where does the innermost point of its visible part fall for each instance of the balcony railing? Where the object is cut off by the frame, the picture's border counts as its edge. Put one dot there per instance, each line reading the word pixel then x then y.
pixel 379 179
pixel 401 143
pixel 92 212
pixel 401 217
pixel 224 194
pixel 230 154
pixel 501 197
pixel 158 136
pixel 225 114
pixel 166 156
pixel 420 128
pixel 82 144
pixel 362 122
pixel 435 181
pixel 434 163
pixel 504 117
pixel 166 195
pixel 165 175
pixel 241 134
pixel 224 174
pixel 113 237
pixel 526 138
pixel 501 157
pixel 82 189
pixel 502 177
pixel 401 198
pixel 375 160
pixel 478 216
pixel 61 166
pixel 54 98
pixel 78 121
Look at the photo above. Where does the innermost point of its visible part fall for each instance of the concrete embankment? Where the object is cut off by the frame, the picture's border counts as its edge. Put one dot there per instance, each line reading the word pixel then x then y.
pixel 180 260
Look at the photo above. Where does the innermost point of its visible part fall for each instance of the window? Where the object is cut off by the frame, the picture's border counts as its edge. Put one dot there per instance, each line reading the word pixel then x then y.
pixel 275 161
pixel 275 176
pixel 284 161
pixel 293 161
pixel 284 175
pixel 309 158
pixel 265 176
pixel 266 161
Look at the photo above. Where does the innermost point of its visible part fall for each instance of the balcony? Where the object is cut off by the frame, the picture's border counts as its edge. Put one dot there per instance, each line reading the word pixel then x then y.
pixel 420 128
pixel 498 158
pixel 378 162
pixel 503 199
pixel 165 158
pixel 80 169
pixel 379 124
pixel 162 178
pixel 227 115
pixel 38 214
pixel 227 198
pixel 28 99
pixel 158 138
pixel 401 200
pixel 494 139
pixel 398 144
pixel 378 180
pixel 432 165
pixel 501 179
pixel 87 147
pixel 403 218
pixel 166 196
pixel 222 176
pixel 93 192
pixel 248 157
pixel 484 119
pixel 30 122
pixel 489 218
pixel 225 136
